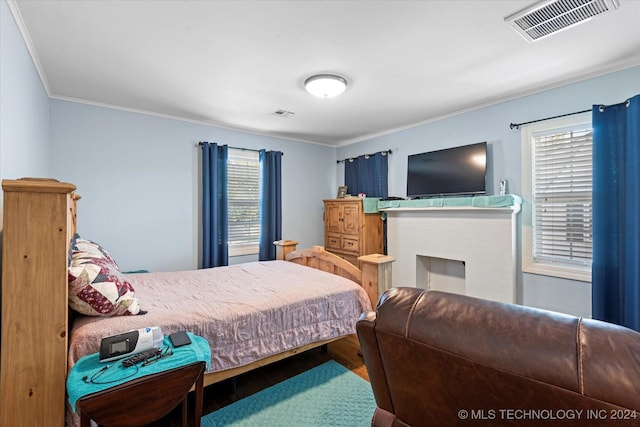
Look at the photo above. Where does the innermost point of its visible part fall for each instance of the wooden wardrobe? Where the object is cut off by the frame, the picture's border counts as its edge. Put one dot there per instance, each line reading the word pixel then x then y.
pixel 349 232
pixel 38 223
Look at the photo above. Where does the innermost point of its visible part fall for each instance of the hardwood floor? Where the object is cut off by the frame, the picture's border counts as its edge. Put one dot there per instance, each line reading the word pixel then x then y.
pixel 216 396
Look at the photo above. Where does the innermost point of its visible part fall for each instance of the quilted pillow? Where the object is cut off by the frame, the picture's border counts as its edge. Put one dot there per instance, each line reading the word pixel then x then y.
pixel 96 285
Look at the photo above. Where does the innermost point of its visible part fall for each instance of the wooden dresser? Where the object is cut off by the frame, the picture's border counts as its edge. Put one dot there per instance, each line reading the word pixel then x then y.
pixel 37 227
pixel 349 232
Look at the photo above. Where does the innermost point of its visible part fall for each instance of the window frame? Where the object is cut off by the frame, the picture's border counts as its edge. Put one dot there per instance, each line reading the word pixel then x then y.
pixel 529 264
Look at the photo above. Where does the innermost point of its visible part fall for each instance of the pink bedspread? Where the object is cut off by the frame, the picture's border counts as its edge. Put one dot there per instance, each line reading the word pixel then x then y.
pixel 246 312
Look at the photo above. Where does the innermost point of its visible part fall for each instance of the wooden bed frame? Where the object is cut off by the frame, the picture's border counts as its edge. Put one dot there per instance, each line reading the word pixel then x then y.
pixel 316 257
pixel 38 223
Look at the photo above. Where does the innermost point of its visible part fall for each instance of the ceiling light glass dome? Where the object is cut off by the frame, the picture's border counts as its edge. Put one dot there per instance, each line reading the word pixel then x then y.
pixel 325 85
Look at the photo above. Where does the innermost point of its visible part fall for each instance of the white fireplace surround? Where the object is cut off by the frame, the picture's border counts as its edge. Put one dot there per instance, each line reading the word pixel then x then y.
pixel 464 250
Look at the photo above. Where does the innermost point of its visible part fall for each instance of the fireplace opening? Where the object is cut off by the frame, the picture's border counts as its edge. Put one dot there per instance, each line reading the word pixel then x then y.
pixel 440 274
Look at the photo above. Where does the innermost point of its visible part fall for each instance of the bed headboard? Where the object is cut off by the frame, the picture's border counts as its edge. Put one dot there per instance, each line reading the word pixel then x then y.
pixel 38 222
pixel 73 214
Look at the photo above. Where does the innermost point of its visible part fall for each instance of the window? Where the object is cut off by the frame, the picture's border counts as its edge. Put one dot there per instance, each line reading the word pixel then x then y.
pixel 244 201
pixel 556 185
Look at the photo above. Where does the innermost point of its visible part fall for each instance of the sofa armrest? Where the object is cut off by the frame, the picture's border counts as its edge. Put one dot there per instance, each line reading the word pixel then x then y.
pixel 365 328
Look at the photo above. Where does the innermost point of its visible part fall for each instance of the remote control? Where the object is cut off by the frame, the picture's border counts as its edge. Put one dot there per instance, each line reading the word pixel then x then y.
pixel 140 357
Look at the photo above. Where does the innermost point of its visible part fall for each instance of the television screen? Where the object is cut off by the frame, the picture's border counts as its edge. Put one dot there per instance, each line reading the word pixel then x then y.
pixel 448 172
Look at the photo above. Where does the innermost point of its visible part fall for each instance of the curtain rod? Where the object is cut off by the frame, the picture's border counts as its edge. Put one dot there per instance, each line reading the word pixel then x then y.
pixel 383 152
pixel 601 108
pixel 201 143
pixel 517 125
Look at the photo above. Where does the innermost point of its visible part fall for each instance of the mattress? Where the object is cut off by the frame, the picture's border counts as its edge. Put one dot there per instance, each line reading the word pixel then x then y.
pixel 246 312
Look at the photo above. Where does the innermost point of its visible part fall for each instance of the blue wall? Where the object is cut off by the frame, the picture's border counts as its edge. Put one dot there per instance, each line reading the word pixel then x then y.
pixel 138 177
pixel 24 107
pixel 491 124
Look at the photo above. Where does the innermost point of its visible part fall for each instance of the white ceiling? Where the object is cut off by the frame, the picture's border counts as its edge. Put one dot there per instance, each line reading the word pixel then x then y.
pixel 233 63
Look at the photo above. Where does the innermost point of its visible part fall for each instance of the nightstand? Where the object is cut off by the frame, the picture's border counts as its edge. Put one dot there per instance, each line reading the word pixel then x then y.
pixel 146 399
pixel 116 395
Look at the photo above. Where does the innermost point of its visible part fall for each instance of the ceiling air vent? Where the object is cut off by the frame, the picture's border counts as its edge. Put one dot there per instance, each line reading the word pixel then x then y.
pixel 283 113
pixel 550 16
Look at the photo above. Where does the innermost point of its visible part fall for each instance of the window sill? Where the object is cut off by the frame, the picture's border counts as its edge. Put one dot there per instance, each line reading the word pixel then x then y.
pixel 571 273
pixel 244 250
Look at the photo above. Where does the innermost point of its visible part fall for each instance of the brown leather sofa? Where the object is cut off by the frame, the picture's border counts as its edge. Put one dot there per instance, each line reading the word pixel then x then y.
pixel 439 359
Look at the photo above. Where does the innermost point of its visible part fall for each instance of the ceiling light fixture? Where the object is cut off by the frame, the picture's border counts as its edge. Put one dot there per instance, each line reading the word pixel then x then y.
pixel 325 85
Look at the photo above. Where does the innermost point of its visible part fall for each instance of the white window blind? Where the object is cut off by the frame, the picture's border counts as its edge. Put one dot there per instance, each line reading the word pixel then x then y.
pixel 561 197
pixel 244 201
pixel 556 192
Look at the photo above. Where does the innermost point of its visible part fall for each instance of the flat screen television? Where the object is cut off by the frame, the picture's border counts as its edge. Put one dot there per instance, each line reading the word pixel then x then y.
pixel 449 172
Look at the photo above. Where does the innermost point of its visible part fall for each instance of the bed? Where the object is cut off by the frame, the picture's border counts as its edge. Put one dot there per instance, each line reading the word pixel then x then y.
pixel 39 221
pixel 247 312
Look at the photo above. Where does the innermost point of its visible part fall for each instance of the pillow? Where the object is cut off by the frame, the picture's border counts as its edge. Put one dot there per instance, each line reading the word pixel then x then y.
pixel 96 286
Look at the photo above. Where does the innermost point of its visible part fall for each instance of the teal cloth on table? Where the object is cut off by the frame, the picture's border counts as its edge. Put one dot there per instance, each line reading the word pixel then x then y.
pixel 197 351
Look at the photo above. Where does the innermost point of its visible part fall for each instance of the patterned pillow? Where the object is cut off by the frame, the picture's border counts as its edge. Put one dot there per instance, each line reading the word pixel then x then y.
pixel 96 286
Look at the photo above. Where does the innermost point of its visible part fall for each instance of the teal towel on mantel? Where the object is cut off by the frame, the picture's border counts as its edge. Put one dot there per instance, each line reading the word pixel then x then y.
pixel 88 365
pixel 328 395
pixel 504 201
pixel 370 204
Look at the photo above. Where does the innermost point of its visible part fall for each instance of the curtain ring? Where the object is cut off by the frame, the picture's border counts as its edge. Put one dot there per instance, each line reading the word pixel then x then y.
pixel 627 103
pixel 384 153
pixel 350 160
pixel 601 108
pixel 366 156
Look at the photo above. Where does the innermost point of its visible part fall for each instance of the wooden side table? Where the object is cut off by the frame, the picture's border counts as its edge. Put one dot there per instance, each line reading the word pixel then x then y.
pixel 146 399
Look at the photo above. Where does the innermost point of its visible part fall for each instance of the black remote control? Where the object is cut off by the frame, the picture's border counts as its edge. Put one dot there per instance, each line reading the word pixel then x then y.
pixel 140 357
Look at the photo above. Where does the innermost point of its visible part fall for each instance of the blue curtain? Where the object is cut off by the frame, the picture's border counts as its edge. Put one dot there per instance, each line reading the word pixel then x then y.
pixel 367 174
pixel 214 205
pixel 270 203
pixel 616 213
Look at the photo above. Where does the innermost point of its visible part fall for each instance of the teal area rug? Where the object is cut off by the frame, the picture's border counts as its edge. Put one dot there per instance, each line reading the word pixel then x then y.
pixel 327 395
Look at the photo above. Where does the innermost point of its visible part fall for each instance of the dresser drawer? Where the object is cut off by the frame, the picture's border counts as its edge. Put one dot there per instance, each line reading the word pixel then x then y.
pixel 351 244
pixel 333 241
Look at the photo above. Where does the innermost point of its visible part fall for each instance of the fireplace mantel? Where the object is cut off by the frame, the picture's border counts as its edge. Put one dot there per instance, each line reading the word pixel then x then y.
pixel 462 249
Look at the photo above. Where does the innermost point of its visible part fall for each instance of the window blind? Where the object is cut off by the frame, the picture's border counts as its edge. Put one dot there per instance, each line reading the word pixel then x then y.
pixel 562 185
pixel 243 201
